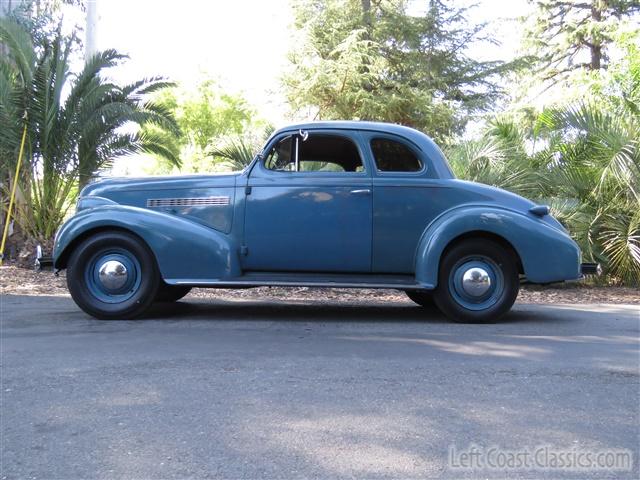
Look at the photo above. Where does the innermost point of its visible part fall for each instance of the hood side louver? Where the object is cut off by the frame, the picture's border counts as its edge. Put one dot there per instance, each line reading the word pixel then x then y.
pixel 187 202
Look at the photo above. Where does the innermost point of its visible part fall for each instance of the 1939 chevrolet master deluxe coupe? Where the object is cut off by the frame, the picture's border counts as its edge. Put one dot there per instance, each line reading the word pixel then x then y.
pixel 332 204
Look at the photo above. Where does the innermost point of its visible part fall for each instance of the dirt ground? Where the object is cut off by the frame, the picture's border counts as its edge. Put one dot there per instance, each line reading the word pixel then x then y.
pixel 22 281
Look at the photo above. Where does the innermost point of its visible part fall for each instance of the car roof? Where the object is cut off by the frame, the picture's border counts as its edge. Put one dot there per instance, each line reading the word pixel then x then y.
pixel 410 133
pixel 422 140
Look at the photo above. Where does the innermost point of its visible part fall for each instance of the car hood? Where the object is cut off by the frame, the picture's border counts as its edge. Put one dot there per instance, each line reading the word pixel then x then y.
pixel 110 187
pixel 205 199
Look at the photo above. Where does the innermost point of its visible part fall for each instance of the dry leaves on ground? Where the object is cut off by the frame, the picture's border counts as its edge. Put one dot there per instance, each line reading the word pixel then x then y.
pixel 20 281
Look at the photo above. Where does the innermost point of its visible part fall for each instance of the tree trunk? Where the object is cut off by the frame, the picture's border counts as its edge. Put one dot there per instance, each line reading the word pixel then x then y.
pixel 366 17
pixel 366 20
pixel 366 10
pixel 595 46
pixel 596 57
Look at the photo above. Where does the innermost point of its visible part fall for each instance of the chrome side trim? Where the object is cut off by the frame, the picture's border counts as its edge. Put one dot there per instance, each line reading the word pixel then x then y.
pixel 280 283
pixel 187 202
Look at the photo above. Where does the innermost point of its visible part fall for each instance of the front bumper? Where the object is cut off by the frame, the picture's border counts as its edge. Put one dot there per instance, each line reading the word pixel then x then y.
pixel 41 260
pixel 591 269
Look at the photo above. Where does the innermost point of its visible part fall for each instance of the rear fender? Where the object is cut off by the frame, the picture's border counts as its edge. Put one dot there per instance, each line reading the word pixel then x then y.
pixel 547 254
pixel 183 249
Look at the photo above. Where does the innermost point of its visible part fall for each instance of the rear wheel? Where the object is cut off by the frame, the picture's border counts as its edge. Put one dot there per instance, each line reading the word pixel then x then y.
pixel 477 282
pixel 113 275
pixel 171 293
pixel 423 298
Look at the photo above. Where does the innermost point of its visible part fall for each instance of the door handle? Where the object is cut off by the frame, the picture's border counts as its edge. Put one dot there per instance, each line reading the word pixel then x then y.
pixel 362 191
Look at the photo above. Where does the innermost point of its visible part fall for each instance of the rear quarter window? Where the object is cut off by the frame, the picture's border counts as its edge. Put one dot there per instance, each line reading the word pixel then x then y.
pixel 394 156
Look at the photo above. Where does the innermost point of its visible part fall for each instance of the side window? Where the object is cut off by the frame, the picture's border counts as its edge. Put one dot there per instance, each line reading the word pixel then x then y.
pixel 393 156
pixel 318 153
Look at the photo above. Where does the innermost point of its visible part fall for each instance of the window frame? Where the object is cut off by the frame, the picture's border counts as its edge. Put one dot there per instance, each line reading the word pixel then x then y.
pixel 351 136
pixel 417 152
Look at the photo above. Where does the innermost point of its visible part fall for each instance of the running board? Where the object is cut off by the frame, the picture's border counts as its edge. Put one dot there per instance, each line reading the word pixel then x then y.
pixel 321 280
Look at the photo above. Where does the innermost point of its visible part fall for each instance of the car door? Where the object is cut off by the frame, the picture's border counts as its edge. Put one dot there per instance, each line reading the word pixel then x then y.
pixel 309 205
pixel 405 200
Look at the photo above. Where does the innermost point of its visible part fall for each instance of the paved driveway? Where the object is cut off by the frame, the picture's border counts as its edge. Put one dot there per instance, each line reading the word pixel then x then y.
pixel 267 390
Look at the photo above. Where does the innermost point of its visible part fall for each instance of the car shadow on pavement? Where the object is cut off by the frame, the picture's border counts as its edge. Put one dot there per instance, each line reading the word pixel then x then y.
pixel 221 310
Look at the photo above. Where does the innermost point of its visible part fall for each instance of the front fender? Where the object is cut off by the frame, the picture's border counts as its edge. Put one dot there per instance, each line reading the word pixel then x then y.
pixel 547 254
pixel 183 249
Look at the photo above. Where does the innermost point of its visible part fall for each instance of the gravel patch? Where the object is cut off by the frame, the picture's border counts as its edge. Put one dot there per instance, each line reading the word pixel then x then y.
pixel 21 281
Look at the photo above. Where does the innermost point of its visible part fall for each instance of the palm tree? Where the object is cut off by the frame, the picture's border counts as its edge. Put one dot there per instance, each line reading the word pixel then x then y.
pixel 499 159
pixel 77 124
pixel 595 176
pixel 586 166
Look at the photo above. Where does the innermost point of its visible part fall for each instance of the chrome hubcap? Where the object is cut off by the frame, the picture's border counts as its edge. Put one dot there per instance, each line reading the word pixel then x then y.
pixel 113 275
pixel 476 282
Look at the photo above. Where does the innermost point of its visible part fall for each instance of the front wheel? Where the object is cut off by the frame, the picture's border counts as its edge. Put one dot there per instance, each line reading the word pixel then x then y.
pixel 171 293
pixel 477 282
pixel 113 275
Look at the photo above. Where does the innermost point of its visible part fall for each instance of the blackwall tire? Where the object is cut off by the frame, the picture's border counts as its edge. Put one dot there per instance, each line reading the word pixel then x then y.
pixel 113 275
pixel 478 281
pixel 171 293
pixel 423 298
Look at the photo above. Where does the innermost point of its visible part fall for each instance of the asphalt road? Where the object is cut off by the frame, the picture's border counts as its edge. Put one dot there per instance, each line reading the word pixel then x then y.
pixel 269 390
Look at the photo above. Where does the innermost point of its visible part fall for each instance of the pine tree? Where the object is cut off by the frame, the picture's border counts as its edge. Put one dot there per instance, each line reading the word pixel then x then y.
pixel 372 60
pixel 567 35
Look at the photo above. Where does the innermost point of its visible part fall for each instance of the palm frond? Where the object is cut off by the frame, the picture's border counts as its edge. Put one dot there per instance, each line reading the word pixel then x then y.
pixel 620 238
pixel 235 153
pixel 18 41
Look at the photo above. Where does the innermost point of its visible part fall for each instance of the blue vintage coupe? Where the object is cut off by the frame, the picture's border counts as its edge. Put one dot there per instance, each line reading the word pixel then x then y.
pixel 330 204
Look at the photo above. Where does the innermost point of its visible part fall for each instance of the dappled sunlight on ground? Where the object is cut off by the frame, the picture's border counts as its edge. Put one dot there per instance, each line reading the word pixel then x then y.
pixel 353 444
pixel 619 339
pixel 269 389
pixel 473 348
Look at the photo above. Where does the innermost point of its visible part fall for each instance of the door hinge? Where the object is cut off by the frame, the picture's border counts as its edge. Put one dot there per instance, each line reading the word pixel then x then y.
pixel 247 190
pixel 244 251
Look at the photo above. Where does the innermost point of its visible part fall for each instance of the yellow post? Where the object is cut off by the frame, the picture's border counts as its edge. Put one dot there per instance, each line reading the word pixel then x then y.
pixel 13 195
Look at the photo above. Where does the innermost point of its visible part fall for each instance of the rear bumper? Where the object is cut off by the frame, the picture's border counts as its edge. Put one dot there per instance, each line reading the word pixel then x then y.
pixel 586 270
pixel 591 269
